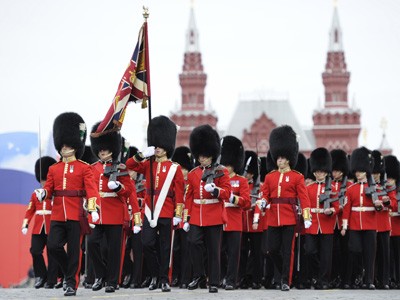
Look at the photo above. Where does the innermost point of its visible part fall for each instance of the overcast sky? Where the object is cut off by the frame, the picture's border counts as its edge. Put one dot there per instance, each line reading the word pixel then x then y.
pixel 69 55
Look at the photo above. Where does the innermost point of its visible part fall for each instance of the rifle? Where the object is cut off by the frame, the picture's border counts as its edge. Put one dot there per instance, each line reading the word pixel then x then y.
pixel 112 171
pixel 139 183
pixel 371 191
pixel 325 197
pixel 342 191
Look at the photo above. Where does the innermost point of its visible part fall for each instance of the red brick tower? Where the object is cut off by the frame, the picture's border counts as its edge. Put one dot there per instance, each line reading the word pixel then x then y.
pixel 336 125
pixel 193 81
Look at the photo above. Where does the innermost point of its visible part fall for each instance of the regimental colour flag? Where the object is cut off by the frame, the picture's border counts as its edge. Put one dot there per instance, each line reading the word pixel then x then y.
pixel 133 87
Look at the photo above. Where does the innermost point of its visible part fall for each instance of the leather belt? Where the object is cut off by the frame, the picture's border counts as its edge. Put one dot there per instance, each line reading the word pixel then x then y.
pixel 206 201
pixel 43 212
pixel 69 193
pixel 108 194
pixel 363 208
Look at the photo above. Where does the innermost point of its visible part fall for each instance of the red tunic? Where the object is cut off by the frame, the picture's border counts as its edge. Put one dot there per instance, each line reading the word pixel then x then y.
pixel 203 208
pixel 383 216
pixel 248 215
pixel 359 211
pixel 336 186
pixel 74 175
pixel 278 187
pixel 321 223
pixel 113 205
pixel 239 188
pixel 42 213
pixel 160 171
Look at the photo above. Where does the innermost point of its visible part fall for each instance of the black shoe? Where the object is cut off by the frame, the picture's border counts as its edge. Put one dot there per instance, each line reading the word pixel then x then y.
pixel 371 286
pixel 197 282
pixel 135 286
pixel 175 282
pixel 39 282
pixel 276 286
pixel 153 284
pixel 386 287
pixel 229 287
pixel 110 289
pixel 58 285
pixel 64 285
pixel 285 287
pixel 87 285
pixel 346 286
pixel 256 286
pixel 364 286
pixel 98 284
pixel 213 289
pixel 49 285
pixel 165 287
pixel 146 282
pixel 300 286
pixel 127 280
pixel 70 291
pixel 183 286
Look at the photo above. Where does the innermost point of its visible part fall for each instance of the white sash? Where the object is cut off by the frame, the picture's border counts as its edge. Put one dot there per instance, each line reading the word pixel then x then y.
pixel 161 197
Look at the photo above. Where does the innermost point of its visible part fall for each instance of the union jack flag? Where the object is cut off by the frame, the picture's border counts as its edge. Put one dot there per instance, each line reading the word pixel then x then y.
pixel 133 87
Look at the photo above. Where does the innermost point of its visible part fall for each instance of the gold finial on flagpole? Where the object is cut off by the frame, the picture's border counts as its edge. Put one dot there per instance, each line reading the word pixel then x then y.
pixel 145 12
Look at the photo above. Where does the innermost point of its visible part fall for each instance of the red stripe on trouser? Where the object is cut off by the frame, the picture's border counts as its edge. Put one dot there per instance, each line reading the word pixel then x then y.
pixel 292 260
pixel 78 270
pixel 121 263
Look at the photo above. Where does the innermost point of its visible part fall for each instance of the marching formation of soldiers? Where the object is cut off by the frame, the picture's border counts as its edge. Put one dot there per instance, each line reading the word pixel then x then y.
pixel 212 215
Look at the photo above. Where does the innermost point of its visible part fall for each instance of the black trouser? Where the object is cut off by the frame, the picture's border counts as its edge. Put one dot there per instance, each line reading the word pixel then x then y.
pixel 250 257
pixel 383 257
pixel 395 259
pixel 271 271
pixel 182 264
pixel 38 242
pixel 210 236
pixel 280 246
pixel 364 241
pixel 137 249
pixel 87 264
pixel 318 248
pixel 110 269
pixel 231 253
pixel 69 233
pixel 301 261
pixel 158 264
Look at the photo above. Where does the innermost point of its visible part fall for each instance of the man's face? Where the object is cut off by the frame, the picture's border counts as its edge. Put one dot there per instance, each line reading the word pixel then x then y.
pixel 205 160
pixel 282 162
pixel 337 174
pixel 377 177
pixel 160 152
pixel 105 155
pixel 361 175
pixel 320 175
pixel 67 151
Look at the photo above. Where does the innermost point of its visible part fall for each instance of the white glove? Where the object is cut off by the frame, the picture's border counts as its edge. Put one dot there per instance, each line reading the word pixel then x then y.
pixel 136 229
pixel 307 224
pixel 149 151
pixel 40 194
pixel 176 221
pixel 263 204
pixel 95 216
pixel 112 185
pixel 232 198
pixel 24 231
pixel 209 187
pixel 186 226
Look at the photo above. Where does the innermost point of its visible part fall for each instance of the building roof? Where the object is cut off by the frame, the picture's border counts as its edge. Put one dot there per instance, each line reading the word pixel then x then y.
pixel 335 34
pixel 279 111
pixel 192 34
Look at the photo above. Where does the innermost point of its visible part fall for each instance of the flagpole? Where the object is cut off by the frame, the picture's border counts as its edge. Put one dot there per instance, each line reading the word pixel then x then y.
pixel 145 16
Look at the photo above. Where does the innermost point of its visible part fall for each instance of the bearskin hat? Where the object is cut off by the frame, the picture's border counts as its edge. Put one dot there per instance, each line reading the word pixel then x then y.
pixel 161 133
pixel 283 142
pixel 204 140
pixel 252 163
pixel 309 174
pixel 392 167
pixel 111 141
pixel 270 164
pixel 88 156
pixel 132 151
pixel 42 166
pixel 183 156
pixel 124 150
pixel 263 168
pixel 70 129
pixel 321 160
pixel 340 161
pixel 232 153
pixel 361 160
pixel 301 166
pixel 379 163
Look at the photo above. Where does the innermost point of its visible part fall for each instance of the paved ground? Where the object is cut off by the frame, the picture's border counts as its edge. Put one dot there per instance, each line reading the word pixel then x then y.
pixel 176 293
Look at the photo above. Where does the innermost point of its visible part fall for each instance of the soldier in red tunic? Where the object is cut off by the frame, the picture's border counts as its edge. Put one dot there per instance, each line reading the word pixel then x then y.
pixel 319 237
pixel 166 187
pixel 282 189
pixel 114 189
pixel 232 157
pixel 207 189
pixel 386 190
pixel 359 214
pixel 68 182
pixel 40 211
